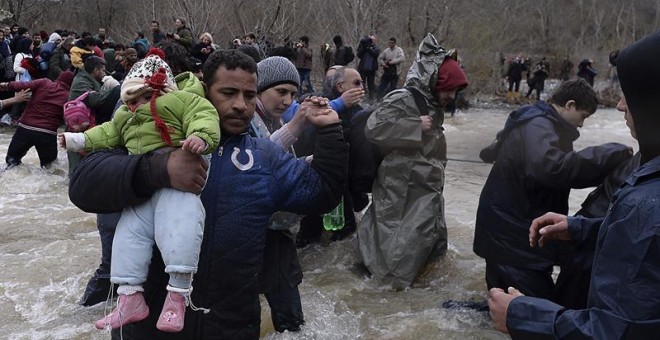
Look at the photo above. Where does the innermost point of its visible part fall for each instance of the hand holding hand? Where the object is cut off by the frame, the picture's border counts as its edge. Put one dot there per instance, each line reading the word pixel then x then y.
pixel 426 123
pixel 551 226
pixel 194 144
pixel 321 117
pixel 498 302
pixel 176 36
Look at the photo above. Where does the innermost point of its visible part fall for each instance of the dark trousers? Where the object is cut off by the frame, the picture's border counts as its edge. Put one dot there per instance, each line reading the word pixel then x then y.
pixel 531 282
pixel 514 84
pixel 286 308
pixel 369 78
pixel 24 139
pixel 570 290
pixel 279 279
pixel 106 224
pixel 98 285
pixel 388 83
pixel 305 79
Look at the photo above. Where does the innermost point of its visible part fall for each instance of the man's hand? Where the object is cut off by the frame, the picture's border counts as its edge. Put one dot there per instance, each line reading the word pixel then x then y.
pixel 426 123
pixel 353 96
pixel 320 117
pixel 194 144
pixel 498 302
pixel 551 226
pixel 187 171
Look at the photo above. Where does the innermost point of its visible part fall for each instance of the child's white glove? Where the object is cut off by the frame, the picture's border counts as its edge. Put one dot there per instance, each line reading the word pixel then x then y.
pixel 72 141
pixel 109 82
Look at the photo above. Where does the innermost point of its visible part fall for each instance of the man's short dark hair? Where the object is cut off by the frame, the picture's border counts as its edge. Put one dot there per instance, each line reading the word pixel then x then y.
pixel 393 39
pixel 85 34
pixel 337 39
pixel 578 90
pixel 251 51
pixel 251 36
pixel 140 35
pixel 304 39
pixel 88 41
pixel 231 60
pixel 22 30
pixel 155 22
pixel 92 63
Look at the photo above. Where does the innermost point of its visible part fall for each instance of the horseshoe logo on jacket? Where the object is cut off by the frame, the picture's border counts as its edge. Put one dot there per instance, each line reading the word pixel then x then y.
pixel 239 165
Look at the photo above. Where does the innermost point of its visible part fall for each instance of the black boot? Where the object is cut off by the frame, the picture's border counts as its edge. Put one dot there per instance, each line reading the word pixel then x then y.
pixel 97 291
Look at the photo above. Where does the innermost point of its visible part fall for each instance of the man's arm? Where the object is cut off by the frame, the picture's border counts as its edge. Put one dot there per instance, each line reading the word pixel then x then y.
pixel 533 318
pixel 319 189
pixel 109 181
pixel 547 163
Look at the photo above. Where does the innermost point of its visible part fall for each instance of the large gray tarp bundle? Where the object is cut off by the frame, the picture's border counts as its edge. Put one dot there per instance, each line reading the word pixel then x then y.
pixel 405 225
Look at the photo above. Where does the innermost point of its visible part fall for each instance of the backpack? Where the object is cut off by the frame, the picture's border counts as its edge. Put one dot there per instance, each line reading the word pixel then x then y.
pixel 348 54
pixel 77 115
pixel 364 156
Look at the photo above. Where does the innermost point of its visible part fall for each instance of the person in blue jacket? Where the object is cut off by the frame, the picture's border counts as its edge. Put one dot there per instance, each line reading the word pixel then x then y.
pixel 249 179
pixel 624 295
pixel 535 169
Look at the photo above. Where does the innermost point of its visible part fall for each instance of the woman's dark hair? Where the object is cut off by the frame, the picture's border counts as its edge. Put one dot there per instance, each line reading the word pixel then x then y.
pixel 23 45
pixel 176 56
pixel 231 60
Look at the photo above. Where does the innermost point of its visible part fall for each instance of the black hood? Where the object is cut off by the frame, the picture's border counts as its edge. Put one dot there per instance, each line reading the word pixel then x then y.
pixel 639 71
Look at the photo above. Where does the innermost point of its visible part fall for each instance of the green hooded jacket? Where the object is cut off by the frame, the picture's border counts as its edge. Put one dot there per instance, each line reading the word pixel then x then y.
pixel 186 112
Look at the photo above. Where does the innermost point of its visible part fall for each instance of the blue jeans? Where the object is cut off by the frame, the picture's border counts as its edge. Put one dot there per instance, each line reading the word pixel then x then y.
pixel 305 78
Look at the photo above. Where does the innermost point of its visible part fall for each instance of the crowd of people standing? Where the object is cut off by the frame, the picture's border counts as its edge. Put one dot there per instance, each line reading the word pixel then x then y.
pixel 277 151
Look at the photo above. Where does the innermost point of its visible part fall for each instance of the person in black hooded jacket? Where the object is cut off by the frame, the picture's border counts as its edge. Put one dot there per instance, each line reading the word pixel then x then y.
pixel 534 171
pixel 624 297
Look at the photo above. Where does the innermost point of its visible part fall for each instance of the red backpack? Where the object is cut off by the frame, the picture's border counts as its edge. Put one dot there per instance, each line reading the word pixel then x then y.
pixel 78 116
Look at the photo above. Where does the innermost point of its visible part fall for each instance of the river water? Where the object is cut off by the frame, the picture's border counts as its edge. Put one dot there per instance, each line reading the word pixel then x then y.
pixel 49 249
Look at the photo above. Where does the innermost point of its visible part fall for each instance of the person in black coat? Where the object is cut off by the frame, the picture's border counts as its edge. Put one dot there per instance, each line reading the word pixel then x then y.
pixel 535 169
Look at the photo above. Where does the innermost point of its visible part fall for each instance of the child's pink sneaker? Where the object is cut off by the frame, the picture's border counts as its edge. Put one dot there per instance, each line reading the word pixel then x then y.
pixel 172 317
pixel 130 308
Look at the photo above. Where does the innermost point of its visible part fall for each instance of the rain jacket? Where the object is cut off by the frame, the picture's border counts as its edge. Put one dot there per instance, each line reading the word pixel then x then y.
pixel 406 222
pixel 624 296
pixel 534 172
pixel 186 112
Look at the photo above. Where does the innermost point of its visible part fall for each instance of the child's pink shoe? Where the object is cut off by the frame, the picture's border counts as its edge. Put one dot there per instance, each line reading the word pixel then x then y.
pixel 130 308
pixel 172 317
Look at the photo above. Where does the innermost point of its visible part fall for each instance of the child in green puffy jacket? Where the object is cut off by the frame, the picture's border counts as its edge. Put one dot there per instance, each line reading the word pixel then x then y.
pixel 158 112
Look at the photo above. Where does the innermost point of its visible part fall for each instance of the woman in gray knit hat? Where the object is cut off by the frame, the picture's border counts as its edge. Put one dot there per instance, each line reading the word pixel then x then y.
pixel 277 86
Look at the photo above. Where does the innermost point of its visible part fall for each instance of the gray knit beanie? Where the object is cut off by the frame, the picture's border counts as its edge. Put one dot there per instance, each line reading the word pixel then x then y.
pixel 274 71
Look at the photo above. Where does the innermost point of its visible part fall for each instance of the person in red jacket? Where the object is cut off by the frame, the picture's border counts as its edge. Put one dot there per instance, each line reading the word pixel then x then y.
pixel 43 115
